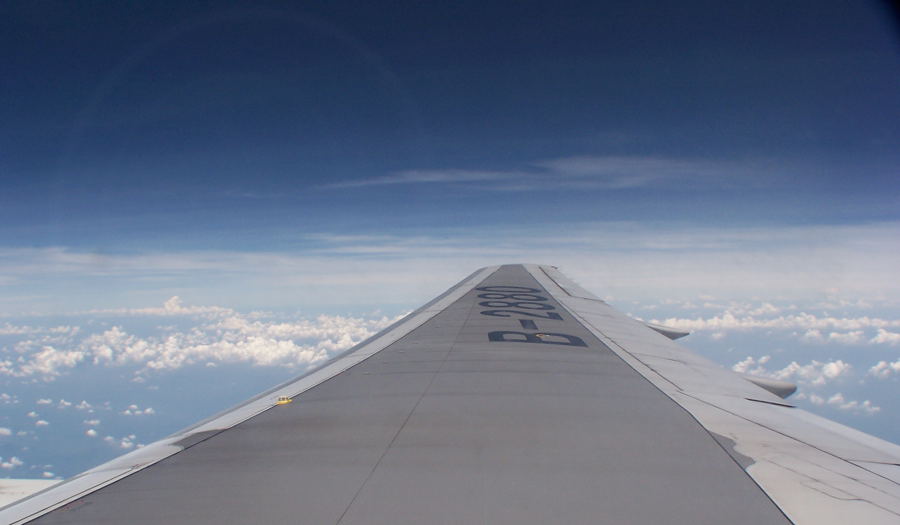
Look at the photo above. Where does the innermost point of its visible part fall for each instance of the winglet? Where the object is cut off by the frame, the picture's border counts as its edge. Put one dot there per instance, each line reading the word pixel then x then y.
pixel 782 389
pixel 671 333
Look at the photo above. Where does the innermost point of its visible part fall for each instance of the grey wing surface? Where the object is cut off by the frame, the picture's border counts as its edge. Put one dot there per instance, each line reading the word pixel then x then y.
pixel 515 397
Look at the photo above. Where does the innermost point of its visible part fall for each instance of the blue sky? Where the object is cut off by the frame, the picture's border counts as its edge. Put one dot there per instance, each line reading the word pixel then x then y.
pixel 354 159
pixel 183 125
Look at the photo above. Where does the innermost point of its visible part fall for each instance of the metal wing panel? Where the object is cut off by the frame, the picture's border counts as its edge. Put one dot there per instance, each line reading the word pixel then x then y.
pixel 816 470
pixel 135 461
pixel 502 407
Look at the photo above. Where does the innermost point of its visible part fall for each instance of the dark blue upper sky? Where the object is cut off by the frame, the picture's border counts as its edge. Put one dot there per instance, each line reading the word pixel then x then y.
pixel 174 124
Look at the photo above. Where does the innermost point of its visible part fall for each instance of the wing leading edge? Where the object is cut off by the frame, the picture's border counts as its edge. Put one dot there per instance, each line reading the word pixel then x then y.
pixel 516 396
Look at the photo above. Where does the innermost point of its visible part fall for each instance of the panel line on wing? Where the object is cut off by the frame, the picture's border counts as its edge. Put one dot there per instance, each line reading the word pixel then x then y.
pixel 618 350
pixel 409 415
pixel 59 495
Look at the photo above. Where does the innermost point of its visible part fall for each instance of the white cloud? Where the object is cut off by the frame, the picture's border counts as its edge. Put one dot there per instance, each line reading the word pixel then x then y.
pixel 11 463
pixel 8 399
pixel 885 337
pixel 116 347
pixel 47 363
pixel 47 474
pixel 134 410
pixel 848 338
pixel 174 306
pixel 126 442
pixel 5 431
pixel 236 339
pixel 662 260
pixel 838 401
pixel 41 423
pixel 815 399
pixel 32 414
pixel 91 422
pixel 810 328
pixel 765 309
pixel 45 401
pixel 811 323
pixel 753 366
pixel 233 339
pixel 10 329
pixel 815 373
pixel 226 337
pixel 812 335
pixel 838 303
pixel 90 432
pixel 884 369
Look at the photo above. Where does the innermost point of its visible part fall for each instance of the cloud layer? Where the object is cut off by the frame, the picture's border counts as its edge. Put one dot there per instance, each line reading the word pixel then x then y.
pixel 221 336
pixel 326 271
pixel 146 345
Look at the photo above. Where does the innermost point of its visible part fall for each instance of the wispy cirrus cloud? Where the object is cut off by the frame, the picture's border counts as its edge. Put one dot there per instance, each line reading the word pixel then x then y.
pixel 10 329
pixel 432 177
pixel 597 172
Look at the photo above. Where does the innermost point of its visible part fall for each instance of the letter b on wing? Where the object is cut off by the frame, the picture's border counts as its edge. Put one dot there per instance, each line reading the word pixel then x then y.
pixel 511 336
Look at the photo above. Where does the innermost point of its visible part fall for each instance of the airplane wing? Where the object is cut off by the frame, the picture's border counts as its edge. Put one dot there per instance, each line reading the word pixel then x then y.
pixel 514 397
